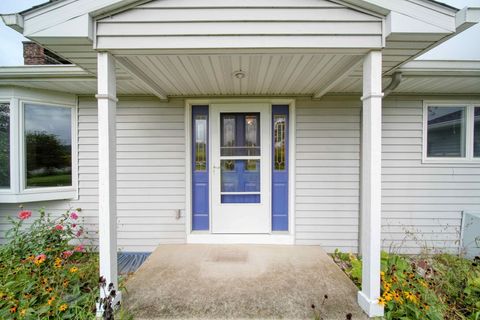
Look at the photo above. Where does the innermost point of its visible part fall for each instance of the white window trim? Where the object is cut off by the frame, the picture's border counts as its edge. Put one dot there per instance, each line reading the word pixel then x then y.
pixel 469 132
pixel 18 192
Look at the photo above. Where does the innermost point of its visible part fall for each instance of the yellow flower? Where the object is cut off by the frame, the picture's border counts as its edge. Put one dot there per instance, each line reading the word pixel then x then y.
pixel 50 301
pixel 63 307
pixel 49 289
pixel 397 297
pixel 381 301
pixel 73 269
pixel 382 274
pixel 23 312
pixel 387 296
pixel 387 286
pixel 410 296
pixel 65 283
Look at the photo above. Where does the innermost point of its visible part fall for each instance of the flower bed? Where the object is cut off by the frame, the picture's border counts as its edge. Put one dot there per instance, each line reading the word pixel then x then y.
pixel 45 270
pixel 437 287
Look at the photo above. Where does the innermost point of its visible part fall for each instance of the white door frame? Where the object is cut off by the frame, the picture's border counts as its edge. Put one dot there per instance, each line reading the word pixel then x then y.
pixel 206 237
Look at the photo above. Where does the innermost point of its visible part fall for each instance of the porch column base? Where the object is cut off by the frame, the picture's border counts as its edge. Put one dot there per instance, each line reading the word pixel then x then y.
pixel 371 307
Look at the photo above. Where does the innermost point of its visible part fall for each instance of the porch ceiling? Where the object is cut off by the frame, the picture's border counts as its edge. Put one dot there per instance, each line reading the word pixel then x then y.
pixel 265 74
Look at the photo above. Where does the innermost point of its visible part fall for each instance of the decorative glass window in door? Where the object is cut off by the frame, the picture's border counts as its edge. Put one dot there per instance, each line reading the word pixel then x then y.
pixel 240 157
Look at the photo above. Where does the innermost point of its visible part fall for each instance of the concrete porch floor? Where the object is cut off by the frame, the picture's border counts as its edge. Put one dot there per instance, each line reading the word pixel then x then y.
pixel 240 281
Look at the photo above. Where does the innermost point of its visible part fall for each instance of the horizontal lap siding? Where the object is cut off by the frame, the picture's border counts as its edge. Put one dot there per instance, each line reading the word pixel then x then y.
pixel 327 173
pixel 422 203
pixel 151 173
pixel 162 24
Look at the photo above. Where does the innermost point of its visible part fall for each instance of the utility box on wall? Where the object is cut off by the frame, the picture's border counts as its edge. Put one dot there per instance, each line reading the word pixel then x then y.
pixel 470 235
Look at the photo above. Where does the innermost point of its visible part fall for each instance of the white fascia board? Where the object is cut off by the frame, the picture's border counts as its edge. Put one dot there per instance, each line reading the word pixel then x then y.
pixel 78 27
pixel 14 21
pixel 441 67
pixel 466 18
pixel 46 71
pixel 400 23
pixel 429 12
pixel 59 12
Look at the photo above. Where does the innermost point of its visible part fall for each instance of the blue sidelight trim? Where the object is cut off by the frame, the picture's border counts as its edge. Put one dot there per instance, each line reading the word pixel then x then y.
pixel 200 180
pixel 280 177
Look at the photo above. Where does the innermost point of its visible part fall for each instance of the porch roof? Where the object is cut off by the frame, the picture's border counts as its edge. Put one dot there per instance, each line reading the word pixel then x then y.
pixel 75 30
pixel 419 77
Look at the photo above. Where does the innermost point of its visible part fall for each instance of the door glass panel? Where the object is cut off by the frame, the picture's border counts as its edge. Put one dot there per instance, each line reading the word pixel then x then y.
pixel 476 138
pixel 200 142
pixel 240 134
pixel 279 135
pixel 252 135
pixel 240 137
pixel 228 140
pixel 242 176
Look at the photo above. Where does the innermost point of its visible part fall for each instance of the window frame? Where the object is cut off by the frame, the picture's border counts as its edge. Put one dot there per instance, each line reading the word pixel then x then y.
pixel 18 191
pixel 469 132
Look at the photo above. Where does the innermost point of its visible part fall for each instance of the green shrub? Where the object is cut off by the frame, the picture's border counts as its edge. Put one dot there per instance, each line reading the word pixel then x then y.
pixel 457 280
pixel 437 287
pixel 45 271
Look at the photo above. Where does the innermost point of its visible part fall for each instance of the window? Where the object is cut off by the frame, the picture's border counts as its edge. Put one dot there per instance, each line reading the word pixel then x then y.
pixel 476 134
pixel 279 141
pixel 37 148
pixel 452 132
pixel 48 146
pixel 4 145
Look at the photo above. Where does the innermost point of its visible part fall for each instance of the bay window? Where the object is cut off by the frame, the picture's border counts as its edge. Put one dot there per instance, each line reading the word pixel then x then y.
pixel 37 150
pixel 451 132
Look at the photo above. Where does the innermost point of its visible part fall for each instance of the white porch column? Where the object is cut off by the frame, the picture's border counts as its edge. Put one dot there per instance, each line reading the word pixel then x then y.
pixel 371 163
pixel 107 169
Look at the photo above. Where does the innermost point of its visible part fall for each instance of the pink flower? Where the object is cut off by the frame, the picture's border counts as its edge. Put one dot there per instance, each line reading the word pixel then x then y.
pixel 67 254
pixel 24 214
pixel 58 227
pixel 74 225
pixel 79 248
pixel 74 215
pixel 79 233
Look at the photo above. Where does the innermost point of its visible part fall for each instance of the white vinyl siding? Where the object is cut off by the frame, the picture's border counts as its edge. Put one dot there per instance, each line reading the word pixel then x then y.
pixel 151 177
pixel 327 173
pixel 249 24
pixel 422 203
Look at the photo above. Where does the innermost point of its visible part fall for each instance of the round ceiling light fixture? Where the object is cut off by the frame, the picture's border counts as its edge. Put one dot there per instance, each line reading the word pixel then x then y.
pixel 239 74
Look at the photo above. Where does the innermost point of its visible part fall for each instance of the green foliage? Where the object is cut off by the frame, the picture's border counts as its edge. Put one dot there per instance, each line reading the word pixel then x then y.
pixel 441 287
pixel 457 280
pixel 42 274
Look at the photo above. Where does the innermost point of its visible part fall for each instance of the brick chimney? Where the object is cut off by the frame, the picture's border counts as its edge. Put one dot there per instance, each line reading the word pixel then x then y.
pixel 34 54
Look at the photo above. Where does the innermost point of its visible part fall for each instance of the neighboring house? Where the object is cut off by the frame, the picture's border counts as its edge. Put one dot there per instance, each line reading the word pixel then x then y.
pixel 185 121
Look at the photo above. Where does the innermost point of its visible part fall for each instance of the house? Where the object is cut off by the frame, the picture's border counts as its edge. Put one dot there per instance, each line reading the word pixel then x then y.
pixel 276 122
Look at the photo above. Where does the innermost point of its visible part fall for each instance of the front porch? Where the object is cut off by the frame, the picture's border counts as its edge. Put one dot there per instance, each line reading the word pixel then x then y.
pixel 240 281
